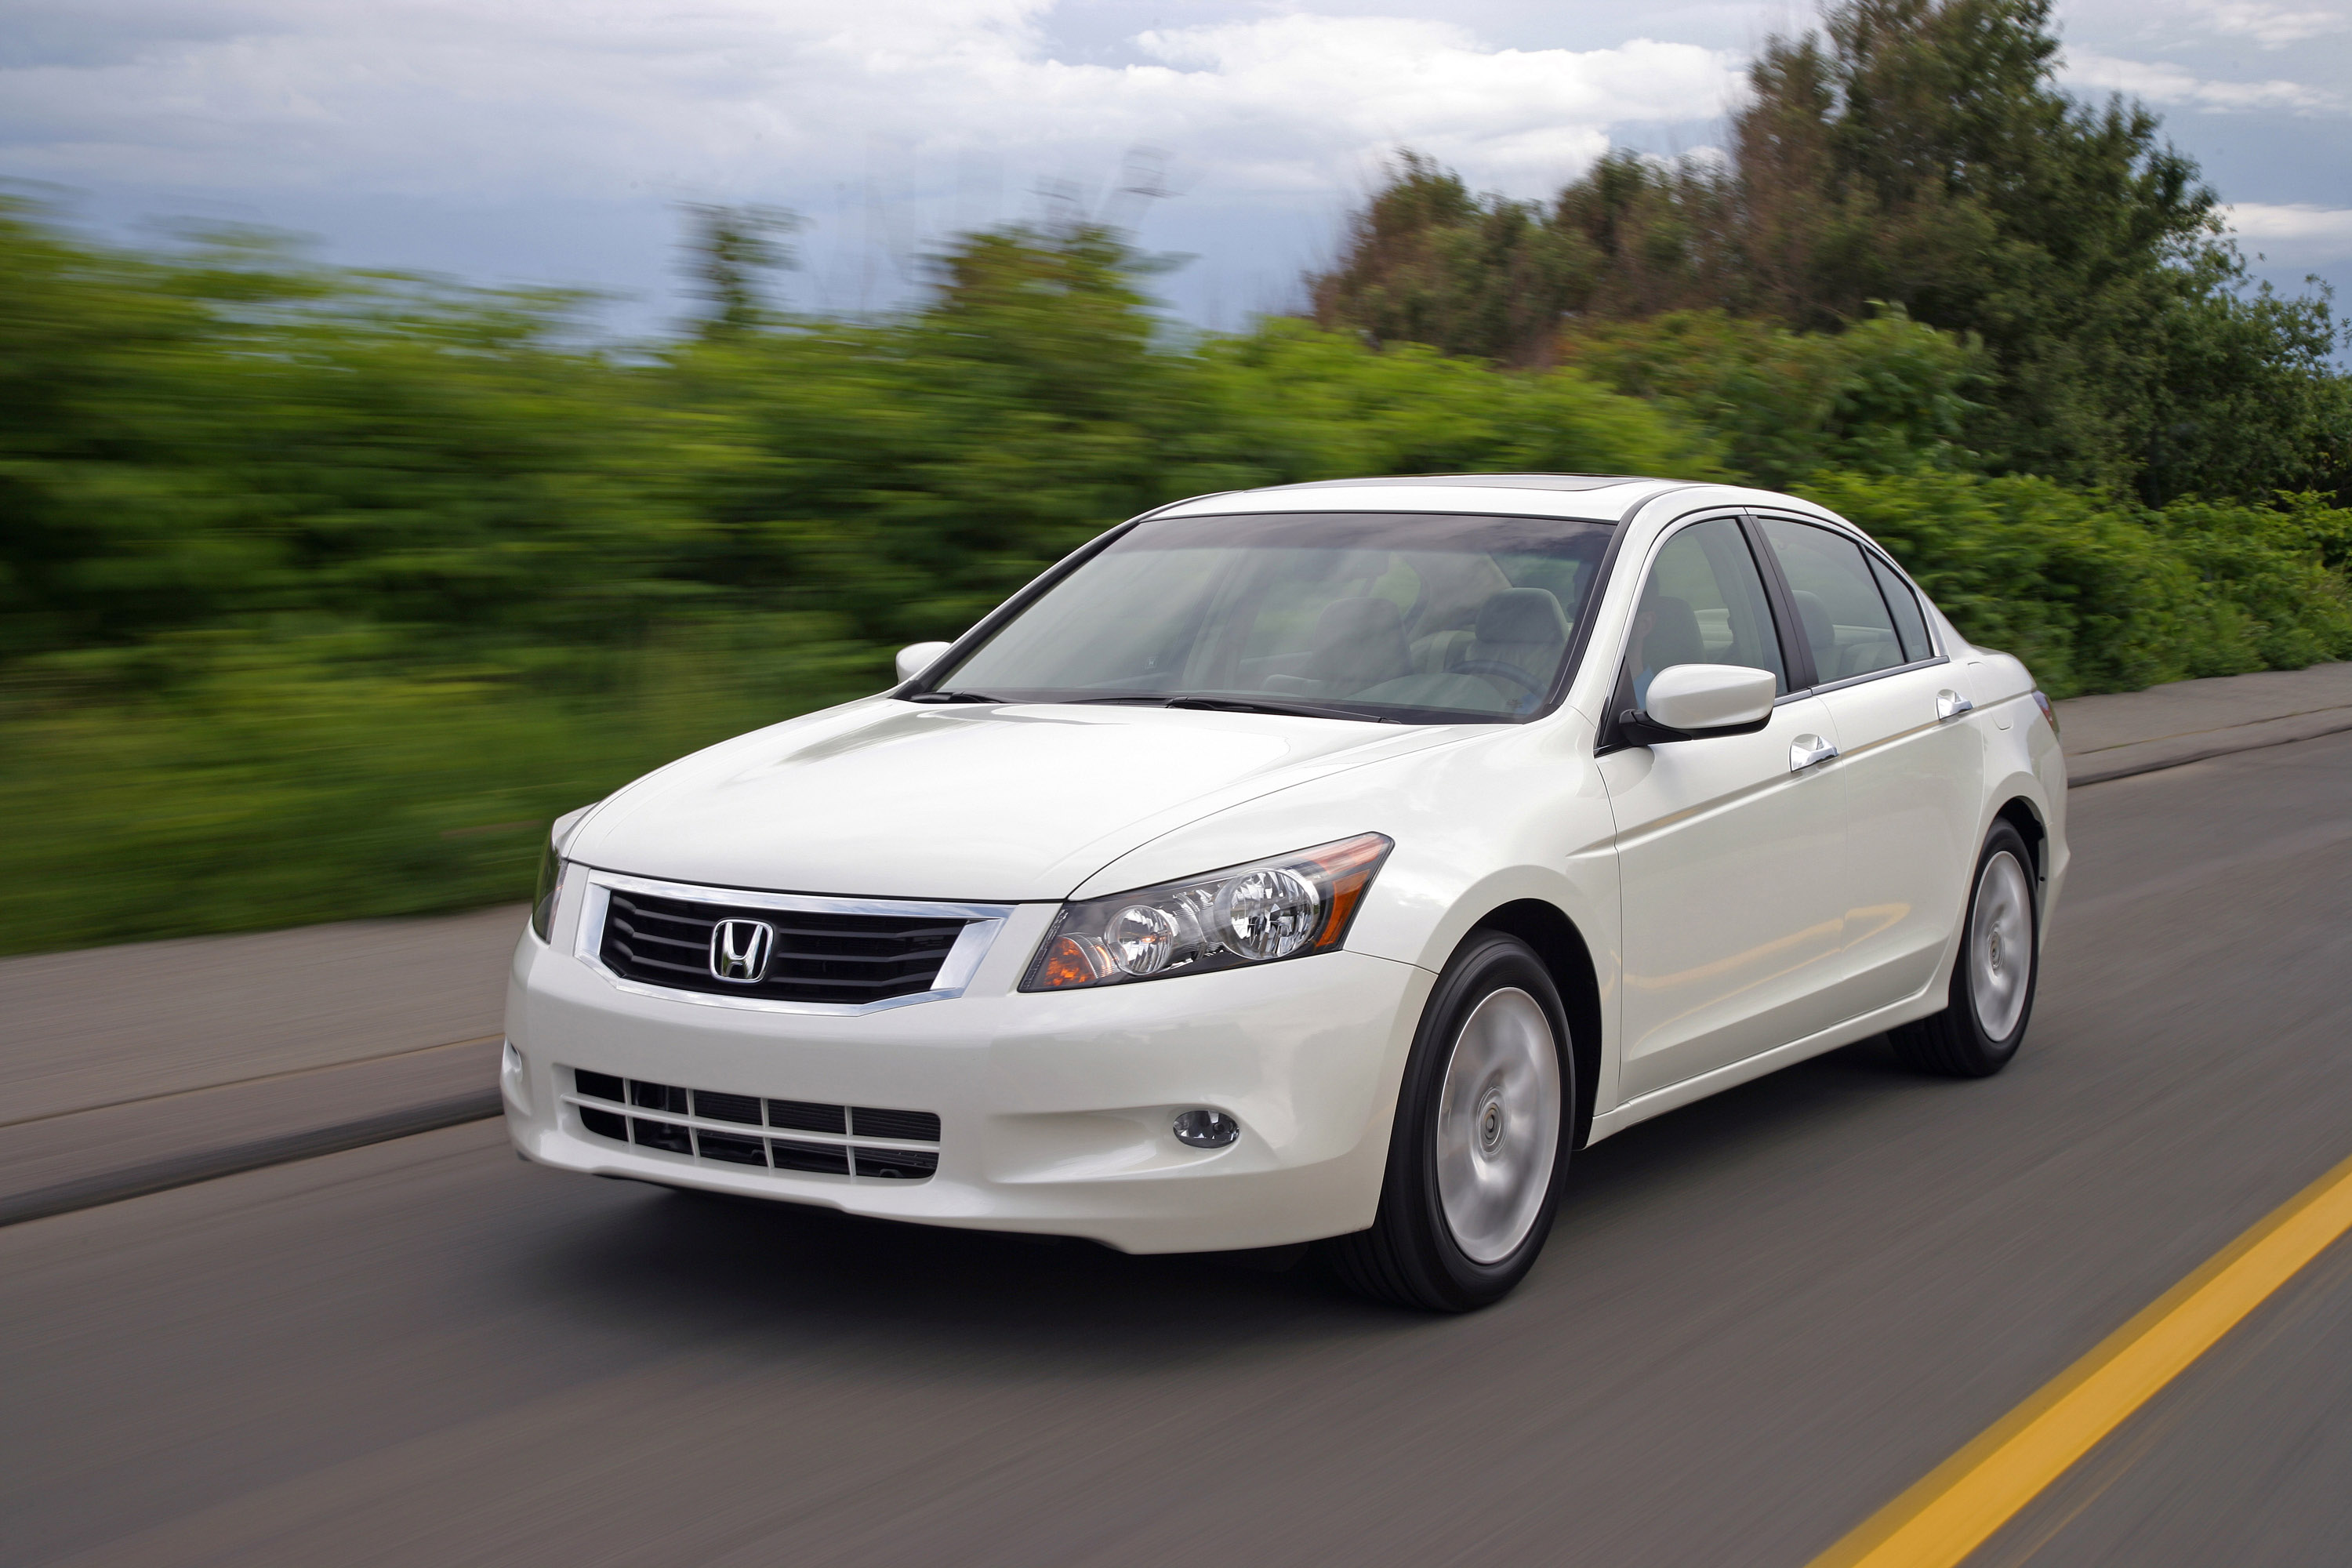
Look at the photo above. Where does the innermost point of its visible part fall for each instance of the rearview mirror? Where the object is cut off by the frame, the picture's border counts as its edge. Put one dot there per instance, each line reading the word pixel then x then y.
pixel 918 657
pixel 1696 698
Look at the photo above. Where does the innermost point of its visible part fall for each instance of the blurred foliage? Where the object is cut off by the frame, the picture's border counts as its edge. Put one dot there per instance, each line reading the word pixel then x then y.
pixel 1888 395
pixel 2097 593
pixel 1913 155
pixel 321 592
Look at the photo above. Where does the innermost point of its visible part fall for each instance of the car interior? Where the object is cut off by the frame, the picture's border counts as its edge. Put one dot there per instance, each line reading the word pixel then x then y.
pixel 1471 630
pixel 1841 651
pixel 1469 639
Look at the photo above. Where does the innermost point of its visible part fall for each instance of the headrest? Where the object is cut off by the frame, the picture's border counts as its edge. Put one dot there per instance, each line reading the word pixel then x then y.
pixel 1673 636
pixel 1346 620
pixel 1522 615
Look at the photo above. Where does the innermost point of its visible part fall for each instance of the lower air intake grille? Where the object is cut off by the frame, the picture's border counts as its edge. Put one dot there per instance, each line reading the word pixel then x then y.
pixel 827 1140
pixel 808 956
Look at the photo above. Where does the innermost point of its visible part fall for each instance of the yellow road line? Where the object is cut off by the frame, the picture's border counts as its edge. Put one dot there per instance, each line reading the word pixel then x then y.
pixel 1951 1511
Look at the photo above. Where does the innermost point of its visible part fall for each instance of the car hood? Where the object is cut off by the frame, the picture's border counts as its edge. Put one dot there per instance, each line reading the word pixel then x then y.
pixel 984 803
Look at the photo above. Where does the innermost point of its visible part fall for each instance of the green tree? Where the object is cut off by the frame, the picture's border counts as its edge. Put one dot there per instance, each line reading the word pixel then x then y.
pixel 1919 151
pixel 1428 263
pixel 728 250
pixel 1916 153
pixel 1886 396
pixel 321 591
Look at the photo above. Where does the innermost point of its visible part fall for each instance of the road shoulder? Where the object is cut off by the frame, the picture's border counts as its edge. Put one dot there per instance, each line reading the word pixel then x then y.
pixel 2118 734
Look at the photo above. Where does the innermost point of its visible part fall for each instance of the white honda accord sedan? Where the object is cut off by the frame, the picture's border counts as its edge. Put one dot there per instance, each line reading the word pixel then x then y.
pixel 1324 863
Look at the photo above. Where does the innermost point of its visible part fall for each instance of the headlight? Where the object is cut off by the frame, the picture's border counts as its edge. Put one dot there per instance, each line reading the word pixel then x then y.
pixel 550 878
pixel 550 870
pixel 1284 908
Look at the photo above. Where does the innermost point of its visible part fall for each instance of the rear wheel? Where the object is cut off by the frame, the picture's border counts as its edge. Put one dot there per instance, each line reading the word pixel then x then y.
pixel 1991 997
pixel 1479 1149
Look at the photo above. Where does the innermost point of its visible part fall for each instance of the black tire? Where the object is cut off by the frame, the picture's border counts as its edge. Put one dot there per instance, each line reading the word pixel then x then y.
pixel 1956 1042
pixel 1412 1256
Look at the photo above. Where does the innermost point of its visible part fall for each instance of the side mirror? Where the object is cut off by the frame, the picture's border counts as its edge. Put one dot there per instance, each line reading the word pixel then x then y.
pixel 917 658
pixel 1696 698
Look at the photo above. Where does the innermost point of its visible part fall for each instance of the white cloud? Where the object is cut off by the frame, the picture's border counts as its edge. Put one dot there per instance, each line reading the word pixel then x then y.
pixel 2272 26
pixel 2296 233
pixel 2168 84
pixel 444 97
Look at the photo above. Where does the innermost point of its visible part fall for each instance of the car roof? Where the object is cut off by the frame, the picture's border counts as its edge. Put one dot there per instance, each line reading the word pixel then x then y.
pixel 1478 481
pixel 1601 497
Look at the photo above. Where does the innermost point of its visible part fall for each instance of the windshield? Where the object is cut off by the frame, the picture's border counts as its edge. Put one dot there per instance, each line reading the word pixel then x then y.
pixel 1405 617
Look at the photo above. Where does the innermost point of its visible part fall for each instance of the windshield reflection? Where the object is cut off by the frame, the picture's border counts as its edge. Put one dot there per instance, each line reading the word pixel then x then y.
pixel 1396 619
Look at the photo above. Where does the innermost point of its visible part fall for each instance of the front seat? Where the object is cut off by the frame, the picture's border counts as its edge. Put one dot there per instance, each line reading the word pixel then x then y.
pixel 1673 637
pixel 1517 643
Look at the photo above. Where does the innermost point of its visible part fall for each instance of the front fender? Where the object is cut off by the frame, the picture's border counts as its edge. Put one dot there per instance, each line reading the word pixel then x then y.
pixel 1521 815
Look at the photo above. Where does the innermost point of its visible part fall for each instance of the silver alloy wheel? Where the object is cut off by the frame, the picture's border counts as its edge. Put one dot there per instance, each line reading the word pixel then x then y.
pixel 2000 945
pixel 1498 1125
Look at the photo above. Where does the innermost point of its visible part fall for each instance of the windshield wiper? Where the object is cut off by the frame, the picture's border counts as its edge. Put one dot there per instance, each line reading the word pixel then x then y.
pixel 951 696
pixel 1286 709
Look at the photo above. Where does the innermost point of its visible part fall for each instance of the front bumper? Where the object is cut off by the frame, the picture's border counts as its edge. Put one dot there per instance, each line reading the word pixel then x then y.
pixel 1054 1109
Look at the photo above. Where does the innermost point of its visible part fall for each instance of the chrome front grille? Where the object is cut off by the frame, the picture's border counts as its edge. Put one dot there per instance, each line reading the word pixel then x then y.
pixel 816 957
pixel 781 952
pixel 804 1136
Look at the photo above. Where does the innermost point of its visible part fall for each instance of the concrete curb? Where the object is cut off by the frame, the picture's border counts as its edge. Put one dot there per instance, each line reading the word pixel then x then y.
pixel 203 1165
pixel 53 1164
pixel 2117 735
pixel 2174 751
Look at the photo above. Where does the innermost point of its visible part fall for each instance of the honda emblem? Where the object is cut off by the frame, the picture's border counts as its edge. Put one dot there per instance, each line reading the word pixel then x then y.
pixel 739 949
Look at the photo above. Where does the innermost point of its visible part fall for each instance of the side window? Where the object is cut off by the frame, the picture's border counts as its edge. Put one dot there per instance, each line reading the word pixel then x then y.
pixel 1704 604
pixel 1908 622
pixel 1839 608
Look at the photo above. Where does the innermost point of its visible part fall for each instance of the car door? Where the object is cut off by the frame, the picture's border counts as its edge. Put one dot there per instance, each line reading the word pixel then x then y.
pixel 1728 845
pixel 1912 772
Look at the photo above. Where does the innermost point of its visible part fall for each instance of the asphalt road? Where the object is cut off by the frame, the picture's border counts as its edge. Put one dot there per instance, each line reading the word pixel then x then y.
pixel 1758 1320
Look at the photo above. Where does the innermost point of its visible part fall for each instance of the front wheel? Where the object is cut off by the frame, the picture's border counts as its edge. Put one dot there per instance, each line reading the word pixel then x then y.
pixel 1480 1146
pixel 1993 979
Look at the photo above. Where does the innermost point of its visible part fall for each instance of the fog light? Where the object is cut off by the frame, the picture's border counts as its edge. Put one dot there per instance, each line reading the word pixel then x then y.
pixel 1205 1129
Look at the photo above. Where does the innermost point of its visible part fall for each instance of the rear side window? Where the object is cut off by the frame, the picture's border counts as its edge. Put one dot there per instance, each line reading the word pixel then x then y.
pixel 1840 610
pixel 1909 623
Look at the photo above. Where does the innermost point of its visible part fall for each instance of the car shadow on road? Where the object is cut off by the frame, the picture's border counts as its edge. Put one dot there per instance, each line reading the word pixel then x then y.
pixel 688 1268
pixel 781 1279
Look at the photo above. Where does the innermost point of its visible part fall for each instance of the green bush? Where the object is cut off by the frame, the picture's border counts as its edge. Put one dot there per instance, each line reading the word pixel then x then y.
pixel 282 781
pixel 1887 395
pixel 321 593
pixel 2097 595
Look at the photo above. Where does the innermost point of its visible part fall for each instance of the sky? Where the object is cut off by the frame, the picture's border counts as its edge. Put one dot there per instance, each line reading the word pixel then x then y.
pixel 555 141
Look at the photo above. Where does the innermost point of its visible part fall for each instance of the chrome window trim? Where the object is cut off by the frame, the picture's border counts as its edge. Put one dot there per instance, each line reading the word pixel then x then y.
pixel 971 945
pixel 1844 530
pixel 1836 525
pixel 1882 674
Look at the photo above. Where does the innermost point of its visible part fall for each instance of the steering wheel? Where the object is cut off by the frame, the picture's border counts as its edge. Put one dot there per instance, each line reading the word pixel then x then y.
pixel 1496 667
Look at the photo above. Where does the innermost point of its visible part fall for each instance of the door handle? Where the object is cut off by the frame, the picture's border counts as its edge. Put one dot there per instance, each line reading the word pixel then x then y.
pixel 1806 750
pixel 1950 705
